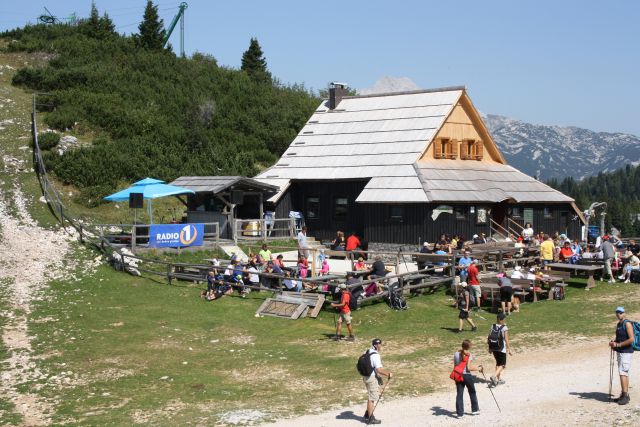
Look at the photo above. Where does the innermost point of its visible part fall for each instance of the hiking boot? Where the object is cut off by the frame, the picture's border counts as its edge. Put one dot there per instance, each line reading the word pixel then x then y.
pixel 500 382
pixel 621 277
pixel 624 399
pixel 351 338
pixel 475 413
pixel 373 420
pixel 494 381
pixel 366 415
pixel 474 328
pixel 336 338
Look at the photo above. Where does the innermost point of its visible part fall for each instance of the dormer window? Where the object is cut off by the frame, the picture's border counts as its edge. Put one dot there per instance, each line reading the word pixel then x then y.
pixel 445 148
pixel 471 149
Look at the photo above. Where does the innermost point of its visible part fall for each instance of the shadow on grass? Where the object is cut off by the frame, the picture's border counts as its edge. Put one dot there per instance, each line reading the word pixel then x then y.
pixel 439 411
pixel 591 395
pixel 453 330
pixel 348 415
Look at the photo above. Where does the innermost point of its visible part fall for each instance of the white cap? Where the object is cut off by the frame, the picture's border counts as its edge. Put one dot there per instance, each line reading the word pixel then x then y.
pixel 475 236
pixel 425 244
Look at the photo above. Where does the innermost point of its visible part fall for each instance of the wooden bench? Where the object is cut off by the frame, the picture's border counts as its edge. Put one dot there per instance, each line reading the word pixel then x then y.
pixel 576 268
pixel 527 286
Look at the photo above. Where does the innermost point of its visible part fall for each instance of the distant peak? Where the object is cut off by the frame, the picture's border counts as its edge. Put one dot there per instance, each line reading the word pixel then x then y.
pixel 389 84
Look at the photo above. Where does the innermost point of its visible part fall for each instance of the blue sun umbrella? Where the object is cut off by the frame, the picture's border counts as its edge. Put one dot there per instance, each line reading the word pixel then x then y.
pixel 150 188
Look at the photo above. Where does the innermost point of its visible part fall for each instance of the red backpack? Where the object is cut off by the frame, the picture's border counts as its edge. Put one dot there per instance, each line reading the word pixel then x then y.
pixel 457 373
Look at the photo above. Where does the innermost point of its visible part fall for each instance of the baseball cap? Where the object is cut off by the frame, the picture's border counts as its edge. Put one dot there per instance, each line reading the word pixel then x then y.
pixel 376 341
pixel 343 286
pixel 620 309
pixel 502 316
pixel 425 244
pixel 464 284
pixel 605 237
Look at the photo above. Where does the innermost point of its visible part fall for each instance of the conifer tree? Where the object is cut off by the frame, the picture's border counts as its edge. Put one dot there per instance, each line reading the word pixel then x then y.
pixel 96 27
pixel 254 63
pixel 151 28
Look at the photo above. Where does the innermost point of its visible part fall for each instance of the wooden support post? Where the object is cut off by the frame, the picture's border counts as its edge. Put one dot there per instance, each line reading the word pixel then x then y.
pixel 313 261
pixel 169 273
pixel 500 264
pixel 80 236
pixel 133 238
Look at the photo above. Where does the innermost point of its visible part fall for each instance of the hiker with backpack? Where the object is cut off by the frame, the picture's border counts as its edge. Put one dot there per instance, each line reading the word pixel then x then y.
pixel 463 366
pixel 499 345
pixel 370 367
pixel 345 312
pixel 624 344
pixel 464 305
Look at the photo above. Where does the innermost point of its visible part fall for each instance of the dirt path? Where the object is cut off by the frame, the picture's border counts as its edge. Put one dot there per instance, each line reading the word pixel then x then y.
pixel 29 257
pixel 562 386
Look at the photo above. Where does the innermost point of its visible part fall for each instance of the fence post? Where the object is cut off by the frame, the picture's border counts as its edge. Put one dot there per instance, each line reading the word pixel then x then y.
pixel 234 230
pixel 81 238
pixel 169 273
pixel 292 227
pixel 133 238
pixel 217 232
pixel 313 261
pixel 500 265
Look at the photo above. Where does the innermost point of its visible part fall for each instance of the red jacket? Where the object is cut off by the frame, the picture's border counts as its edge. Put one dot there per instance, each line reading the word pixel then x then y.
pixel 352 242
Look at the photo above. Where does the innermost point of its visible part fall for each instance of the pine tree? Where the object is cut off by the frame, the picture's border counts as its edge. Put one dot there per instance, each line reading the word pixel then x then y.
pixel 151 28
pixel 254 63
pixel 96 27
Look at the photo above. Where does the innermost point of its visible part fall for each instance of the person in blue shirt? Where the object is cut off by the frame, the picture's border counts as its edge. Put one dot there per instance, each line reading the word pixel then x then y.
pixel 463 264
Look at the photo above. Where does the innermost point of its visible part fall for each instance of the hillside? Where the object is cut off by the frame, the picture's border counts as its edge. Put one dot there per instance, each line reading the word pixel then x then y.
pixel 146 112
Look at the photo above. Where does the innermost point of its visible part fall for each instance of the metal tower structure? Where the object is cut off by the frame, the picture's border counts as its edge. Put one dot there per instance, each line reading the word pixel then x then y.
pixel 179 16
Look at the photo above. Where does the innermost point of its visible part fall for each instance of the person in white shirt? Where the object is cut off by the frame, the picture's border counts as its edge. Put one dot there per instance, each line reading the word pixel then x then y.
pixel 527 233
pixel 372 382
pixel 633 263
pixel 517 273
pixel 303 246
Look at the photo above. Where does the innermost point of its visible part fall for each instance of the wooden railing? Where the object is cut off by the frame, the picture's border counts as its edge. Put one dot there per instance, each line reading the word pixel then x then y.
pixel 264 230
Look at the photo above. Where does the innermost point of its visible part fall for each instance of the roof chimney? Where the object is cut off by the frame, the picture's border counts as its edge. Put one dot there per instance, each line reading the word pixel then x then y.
pixel 336 92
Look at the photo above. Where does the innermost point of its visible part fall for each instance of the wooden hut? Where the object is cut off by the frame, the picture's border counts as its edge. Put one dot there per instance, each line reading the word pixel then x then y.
pixel 409 166
pixel 223 199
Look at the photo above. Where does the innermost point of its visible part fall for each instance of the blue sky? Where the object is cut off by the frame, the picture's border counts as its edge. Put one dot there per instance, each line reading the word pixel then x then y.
pixel 550 62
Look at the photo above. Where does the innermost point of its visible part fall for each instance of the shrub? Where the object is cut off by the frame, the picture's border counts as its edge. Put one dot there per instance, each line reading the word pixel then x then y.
pixel 48 140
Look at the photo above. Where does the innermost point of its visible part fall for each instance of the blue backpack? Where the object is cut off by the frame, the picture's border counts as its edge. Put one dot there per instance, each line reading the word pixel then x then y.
pixel 636 334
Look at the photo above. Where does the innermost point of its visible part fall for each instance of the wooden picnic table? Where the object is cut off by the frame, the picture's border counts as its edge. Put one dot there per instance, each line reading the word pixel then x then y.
pixel 575 268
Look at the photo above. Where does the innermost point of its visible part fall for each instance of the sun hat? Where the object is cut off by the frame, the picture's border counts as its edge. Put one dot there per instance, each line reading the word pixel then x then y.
pixel 475 236
pixel 518 268
pixel 342 286
pixel 620 309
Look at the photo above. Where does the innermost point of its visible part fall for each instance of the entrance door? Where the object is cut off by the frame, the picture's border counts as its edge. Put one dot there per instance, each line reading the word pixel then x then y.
pixel 499 216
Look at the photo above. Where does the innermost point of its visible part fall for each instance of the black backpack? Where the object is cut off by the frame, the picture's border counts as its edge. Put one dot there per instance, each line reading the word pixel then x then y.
pixel 364 366
pixel 353 302
pixel 495 340
pixel 396 300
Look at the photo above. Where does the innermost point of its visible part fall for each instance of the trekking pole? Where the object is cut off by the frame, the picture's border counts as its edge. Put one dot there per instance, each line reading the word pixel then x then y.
pixel 494 397
pixel 379 397
pixel 610 374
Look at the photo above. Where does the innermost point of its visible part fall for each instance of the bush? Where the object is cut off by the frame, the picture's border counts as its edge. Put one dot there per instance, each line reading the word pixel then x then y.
pixel 48 140
pixel 159 115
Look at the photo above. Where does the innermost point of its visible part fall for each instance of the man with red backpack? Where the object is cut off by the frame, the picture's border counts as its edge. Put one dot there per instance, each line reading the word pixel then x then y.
pixel 345 313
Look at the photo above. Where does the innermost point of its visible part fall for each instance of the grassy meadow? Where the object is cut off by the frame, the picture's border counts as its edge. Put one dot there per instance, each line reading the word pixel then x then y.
pixel 120 349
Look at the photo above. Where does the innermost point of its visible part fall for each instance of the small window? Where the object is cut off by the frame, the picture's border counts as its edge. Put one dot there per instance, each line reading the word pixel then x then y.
pixel 341 209
pixel 461 213
pixel 548 213
pixel 516 212
pixel 396 213
pixel 313 208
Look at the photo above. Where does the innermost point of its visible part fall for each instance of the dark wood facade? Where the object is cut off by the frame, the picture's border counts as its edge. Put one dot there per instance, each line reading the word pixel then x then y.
pixel 329 206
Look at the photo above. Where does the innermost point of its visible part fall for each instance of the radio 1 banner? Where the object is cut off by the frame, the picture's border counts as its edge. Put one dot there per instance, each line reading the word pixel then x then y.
pixel 175 235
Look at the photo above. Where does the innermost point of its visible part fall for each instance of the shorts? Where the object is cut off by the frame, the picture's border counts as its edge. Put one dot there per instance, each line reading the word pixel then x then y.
pixel 624 363
pixel 346 317
pixel 547 261
pixel 501 358
pixel 506 293
pixel 475 291
pixel 373 389
pixel 463 315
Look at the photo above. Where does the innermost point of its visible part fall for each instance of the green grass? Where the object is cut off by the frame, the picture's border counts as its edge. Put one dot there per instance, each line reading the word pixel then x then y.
pixel 121 335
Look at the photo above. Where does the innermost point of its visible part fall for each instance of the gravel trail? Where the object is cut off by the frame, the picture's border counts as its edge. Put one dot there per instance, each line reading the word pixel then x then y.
pixel 560 386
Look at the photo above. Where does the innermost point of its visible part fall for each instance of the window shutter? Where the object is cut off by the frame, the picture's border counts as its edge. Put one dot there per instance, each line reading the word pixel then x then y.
pixel 454 149
pixel 479 148
pixel 437 149
pixel 464 150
